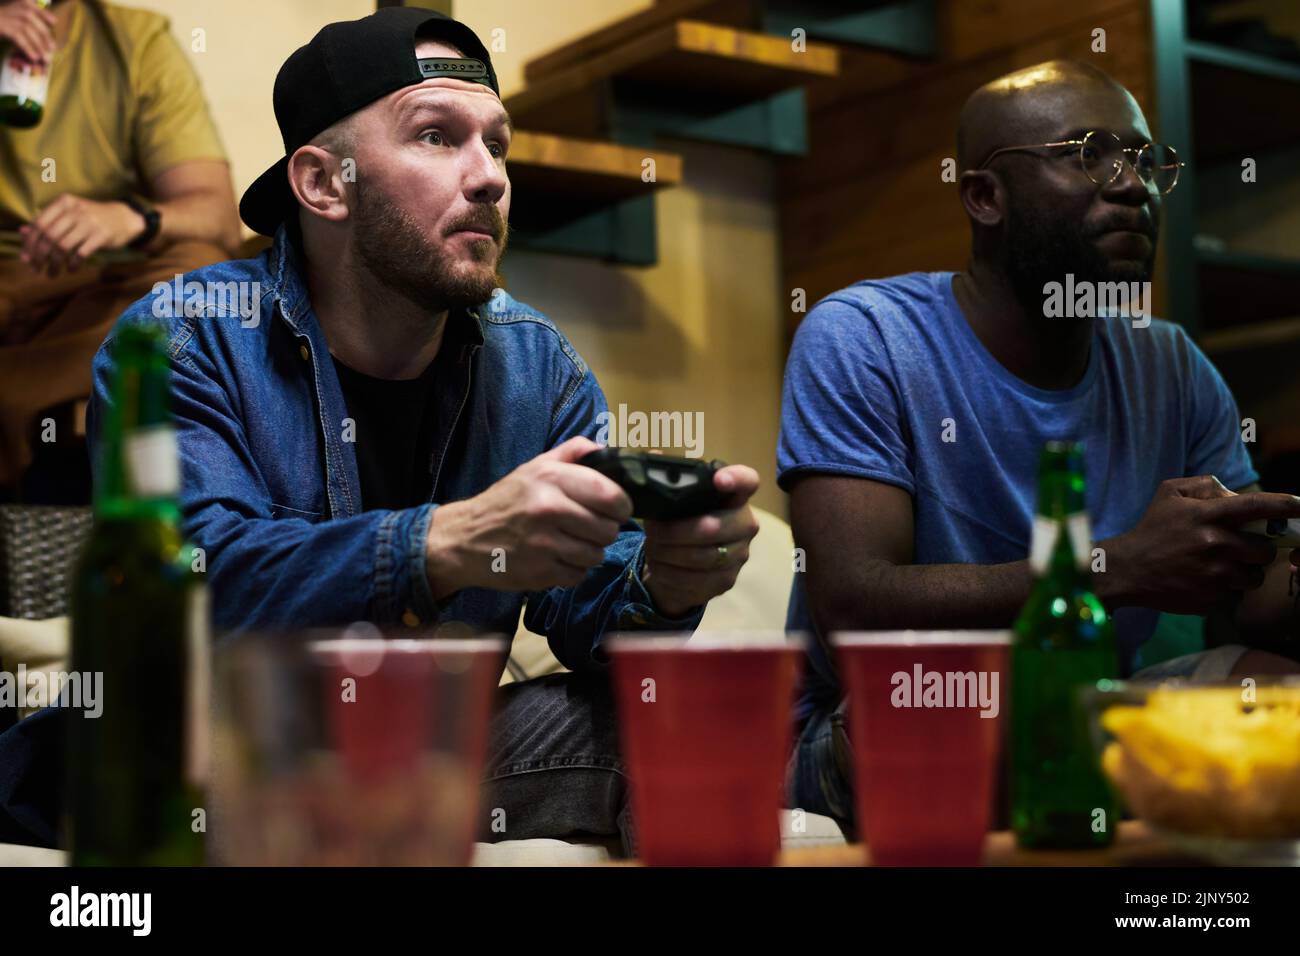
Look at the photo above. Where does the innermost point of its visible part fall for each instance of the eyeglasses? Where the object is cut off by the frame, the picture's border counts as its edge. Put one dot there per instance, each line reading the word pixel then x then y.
pixel 1102 155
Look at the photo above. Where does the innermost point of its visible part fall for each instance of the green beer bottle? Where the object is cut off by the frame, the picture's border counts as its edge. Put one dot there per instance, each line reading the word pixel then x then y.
pixel 1063 640
pixel 24 85
pixel 139 618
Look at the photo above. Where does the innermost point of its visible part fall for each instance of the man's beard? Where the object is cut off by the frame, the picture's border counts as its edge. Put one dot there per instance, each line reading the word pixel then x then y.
pixel 1039 249
pixel 397 252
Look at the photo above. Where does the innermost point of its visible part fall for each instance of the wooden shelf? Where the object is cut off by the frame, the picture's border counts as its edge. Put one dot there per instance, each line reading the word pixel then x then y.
pixel 1249 261
pixel 693 68
pixel 582 169
pixel 584 197
pixel 1252 335
pixel 1242 61
pixel 1237 288
pixel 1242 104
pixel 736 13
pixel 717 71
pixel 902 26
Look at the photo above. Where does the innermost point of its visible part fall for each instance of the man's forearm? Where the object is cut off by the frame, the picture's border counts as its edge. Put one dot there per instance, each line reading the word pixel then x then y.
pixel 200 216
pixel 290 573
pixel 885 596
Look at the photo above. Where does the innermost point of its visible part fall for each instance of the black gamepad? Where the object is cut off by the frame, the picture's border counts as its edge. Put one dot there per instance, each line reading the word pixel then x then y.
pixel 1284 533
pixel 662 487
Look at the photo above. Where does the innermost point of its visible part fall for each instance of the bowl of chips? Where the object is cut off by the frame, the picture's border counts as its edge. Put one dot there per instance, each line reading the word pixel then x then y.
pixel 1214 766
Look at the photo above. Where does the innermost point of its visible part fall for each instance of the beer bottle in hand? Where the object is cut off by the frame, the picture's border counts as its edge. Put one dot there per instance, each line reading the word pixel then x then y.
pixel 24 85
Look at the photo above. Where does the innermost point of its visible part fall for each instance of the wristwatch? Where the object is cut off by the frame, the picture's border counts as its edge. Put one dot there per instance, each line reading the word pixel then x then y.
pixel 152 223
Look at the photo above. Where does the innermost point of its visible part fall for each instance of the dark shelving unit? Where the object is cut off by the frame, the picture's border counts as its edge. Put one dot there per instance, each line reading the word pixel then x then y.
pixel 1218 291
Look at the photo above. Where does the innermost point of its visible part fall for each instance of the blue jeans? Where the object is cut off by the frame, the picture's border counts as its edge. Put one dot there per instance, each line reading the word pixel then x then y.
pixel 1213 665
pixel 554 768
pixel 819 775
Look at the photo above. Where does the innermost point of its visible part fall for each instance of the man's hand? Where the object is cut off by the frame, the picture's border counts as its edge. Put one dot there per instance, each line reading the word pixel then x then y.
pixel 1186 555
pixel 546 524
pixel 688 562
pixel 30 28
pixel 71 229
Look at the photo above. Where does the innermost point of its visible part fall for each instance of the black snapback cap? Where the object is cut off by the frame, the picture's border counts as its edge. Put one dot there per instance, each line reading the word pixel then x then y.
pixel 344 68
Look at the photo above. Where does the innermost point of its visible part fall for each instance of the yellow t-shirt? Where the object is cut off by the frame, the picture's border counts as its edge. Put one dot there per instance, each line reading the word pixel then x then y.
pixel 124 105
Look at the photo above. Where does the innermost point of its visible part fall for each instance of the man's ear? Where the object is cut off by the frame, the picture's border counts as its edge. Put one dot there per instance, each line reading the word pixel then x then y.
pixel 983 196
pixel 316 178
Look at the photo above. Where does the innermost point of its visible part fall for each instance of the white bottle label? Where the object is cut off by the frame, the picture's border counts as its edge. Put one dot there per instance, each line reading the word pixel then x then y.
pixel 1080 530
pixel 198 689
pixel 152 462
pixel 1043 542
pixel 24 79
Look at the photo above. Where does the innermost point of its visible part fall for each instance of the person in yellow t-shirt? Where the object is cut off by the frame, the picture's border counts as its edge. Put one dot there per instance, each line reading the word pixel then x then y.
pixel 123 183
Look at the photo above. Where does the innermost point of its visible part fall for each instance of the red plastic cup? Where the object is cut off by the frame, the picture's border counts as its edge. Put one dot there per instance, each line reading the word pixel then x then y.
pixel 924 715
pixel 706 733
pixel 389 701
pixel 342 748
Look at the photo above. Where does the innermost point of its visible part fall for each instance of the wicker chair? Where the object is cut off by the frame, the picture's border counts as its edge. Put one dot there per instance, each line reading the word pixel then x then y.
pixel 38 544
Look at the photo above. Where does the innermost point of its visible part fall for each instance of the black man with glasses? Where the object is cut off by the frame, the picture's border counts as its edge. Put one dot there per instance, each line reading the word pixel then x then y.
pixel 915 409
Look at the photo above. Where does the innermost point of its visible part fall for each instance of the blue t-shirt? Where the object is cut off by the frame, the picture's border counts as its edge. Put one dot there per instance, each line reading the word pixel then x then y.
pixel 886 380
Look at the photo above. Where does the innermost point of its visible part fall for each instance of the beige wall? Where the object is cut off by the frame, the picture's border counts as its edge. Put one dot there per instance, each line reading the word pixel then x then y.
pixel 246 41
pixel 700 331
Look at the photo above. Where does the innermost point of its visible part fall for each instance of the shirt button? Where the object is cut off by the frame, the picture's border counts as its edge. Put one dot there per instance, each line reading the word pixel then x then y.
pixel 302 350
pixel 410 618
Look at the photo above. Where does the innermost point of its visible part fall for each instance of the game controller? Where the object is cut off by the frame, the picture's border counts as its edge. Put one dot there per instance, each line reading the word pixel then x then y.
pixel 662 487
pixel 1284 533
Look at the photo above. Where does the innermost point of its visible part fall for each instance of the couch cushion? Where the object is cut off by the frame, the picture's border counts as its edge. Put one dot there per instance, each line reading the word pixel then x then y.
pixel 817 831
pixel 811 829
pixel 539 853
pixel 41 646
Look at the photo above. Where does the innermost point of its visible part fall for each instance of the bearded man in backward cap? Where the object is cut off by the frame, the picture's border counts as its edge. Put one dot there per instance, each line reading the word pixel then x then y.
pixel 385 435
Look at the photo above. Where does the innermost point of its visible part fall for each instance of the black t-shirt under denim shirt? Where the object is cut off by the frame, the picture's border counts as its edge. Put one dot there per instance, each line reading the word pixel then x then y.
pixel 394 434
pixel 402 425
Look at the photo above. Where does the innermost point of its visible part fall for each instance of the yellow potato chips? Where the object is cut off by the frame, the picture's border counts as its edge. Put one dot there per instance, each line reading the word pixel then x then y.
pixel 1210 761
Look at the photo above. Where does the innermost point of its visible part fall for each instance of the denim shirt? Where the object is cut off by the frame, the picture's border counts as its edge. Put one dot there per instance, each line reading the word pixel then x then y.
pixel 270 489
